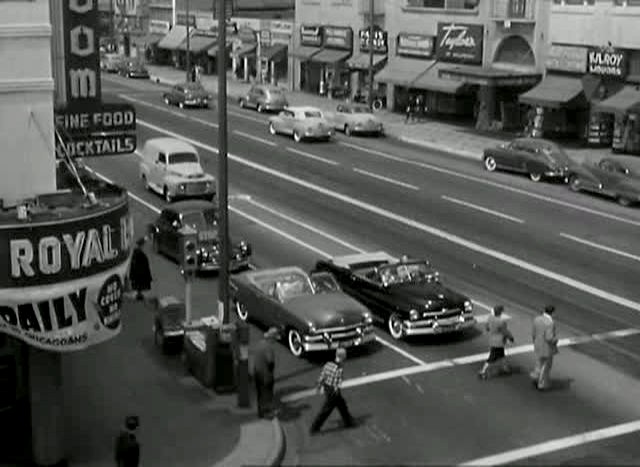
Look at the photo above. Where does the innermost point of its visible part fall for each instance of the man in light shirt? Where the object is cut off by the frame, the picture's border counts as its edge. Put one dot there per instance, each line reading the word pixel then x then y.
pixel 545 346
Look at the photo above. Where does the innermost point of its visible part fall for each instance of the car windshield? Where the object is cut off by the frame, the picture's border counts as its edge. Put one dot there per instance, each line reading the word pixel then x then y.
pixel 200 220
pixel 324 283
pixel 182 158
pixel 554 153
pixel 361 110
pixel 274 91
pixel 312 114
pixel 407 272
pixel 293 286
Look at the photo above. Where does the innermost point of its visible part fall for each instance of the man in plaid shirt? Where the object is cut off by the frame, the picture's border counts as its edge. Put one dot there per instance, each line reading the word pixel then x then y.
pixel 330 381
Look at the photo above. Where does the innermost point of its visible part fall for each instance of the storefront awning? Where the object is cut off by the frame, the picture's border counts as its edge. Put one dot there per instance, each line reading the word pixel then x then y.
pixel 401 71
pixel 174 38
pixel 330 56
pixel 273 53
pixel 553 91
pixel 198 43
pixel 361 61
pixel 490 76
pixel 620 102
pixel 244 50
pixel 431 80
pixel 304 52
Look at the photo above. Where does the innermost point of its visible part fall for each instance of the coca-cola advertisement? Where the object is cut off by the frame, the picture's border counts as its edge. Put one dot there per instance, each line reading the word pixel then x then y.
pixel 460 43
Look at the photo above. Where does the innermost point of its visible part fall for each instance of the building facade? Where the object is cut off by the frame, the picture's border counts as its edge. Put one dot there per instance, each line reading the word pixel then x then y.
pixel 465 58
pixel 593 73
pixel 329 42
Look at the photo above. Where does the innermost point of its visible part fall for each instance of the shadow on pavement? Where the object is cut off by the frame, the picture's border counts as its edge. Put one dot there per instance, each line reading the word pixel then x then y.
pixel 334 426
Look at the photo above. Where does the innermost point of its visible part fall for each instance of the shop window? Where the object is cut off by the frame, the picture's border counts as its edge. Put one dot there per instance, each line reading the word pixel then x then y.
pixel 444 4
pixel 575 2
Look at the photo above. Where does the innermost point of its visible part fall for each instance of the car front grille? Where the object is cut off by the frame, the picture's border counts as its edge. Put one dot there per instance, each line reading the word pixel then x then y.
pixel 439 314
pixel 196 188
pixel 344 333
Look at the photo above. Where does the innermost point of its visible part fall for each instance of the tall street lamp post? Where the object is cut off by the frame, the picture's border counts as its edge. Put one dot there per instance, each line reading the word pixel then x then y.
pixel 370 96
pixel 188 45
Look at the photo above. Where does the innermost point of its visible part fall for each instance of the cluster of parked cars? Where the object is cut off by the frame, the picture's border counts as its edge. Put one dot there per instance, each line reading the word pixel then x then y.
pixel 617 178
pixel 124 66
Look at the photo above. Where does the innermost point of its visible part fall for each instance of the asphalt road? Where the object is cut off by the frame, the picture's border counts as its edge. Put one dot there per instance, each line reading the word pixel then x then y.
pixel 497 237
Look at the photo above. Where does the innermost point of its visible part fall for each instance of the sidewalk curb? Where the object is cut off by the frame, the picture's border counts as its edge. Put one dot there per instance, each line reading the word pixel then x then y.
pixel 242 454
pixel 439 147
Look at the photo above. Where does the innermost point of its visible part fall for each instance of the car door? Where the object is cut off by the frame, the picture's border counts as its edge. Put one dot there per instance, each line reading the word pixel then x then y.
pixel 608 176
pixel 287 121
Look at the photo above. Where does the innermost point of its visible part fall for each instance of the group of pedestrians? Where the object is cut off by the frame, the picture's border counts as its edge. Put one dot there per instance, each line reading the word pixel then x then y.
pixel 545 346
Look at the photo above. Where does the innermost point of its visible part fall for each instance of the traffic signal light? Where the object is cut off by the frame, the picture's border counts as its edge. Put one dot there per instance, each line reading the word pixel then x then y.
pixel 189 249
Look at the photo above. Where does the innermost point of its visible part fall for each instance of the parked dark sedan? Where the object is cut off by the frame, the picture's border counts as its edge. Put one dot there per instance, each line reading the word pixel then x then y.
pixel 264 97
pixel 536 157
pixel 168 323
pixel 617 178
pixel 311 311
pixel 188 95
pixel 133 69
pixel 405 294
pixel 202 216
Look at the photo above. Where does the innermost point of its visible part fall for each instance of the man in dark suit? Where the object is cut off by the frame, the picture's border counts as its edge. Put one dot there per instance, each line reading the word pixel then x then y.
pixel 545 346
pixel 264 361
pixel 127 446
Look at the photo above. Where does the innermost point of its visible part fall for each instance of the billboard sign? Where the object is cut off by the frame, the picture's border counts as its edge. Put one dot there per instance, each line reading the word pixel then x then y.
pixel 460 43
pixel 82 56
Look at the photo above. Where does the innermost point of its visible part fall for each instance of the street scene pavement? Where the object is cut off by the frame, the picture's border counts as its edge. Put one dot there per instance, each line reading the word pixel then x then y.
pixel 495 237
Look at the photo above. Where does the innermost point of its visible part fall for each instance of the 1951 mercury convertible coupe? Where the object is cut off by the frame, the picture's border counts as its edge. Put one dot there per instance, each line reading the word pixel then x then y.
pixel 310 310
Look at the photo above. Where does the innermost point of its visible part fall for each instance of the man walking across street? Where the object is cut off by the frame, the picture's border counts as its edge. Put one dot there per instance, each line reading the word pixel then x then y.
pixel 330 382
pixel 127 446
pixel 263 373
pixel 499 334
pixel 545 346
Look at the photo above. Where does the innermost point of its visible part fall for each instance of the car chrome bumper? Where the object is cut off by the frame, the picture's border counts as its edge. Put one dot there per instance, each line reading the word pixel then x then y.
pixel 324 345
pixel 422 327
pixel 234 265
pixel 174 334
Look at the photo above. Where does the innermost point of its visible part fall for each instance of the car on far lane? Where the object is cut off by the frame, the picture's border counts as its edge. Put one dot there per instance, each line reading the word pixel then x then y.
pixel 539 158
pixel 313 315
pixel 405 294
pixel 301 123
pixel 203 217
pixel 110 62
pixel 133 69
pixel 356 119
pixel 188 95
pixel 264 98
pixel 171 167
pixel 615 177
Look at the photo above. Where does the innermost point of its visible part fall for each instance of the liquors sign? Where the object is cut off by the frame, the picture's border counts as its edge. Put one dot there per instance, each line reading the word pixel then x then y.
pixel 82 59
pixel 460 43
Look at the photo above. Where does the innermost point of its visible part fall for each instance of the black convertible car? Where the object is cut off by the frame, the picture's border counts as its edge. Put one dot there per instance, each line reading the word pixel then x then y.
pixel 405 294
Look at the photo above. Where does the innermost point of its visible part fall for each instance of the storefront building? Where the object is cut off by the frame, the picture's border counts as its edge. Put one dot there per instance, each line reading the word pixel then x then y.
pixel 274 42
pixel 467 59
pixel 325 59
pixel 596 47
pixel 361 64
pixel 244 45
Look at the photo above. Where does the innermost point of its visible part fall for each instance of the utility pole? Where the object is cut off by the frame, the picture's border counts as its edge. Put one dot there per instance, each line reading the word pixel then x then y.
pixel 371 11
pixel 223 283
pixel 188 46
pixel 174 13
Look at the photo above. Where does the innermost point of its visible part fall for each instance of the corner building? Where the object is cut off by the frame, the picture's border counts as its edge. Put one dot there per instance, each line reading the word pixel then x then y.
pixel 469 59
pixel 591 90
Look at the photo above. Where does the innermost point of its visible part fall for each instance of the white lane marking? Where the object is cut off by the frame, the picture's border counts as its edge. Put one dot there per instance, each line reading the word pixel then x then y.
pixel 402 352
pixel 482 305
pixel 255 138
pixel 311 156
pixel 385 179
pixel 419 388
pixel 482 209
pixel 202 121
pixel 457 361
pixel 406 380
pixel 131 195
pixel 246 117
pixel 452 238
pixel 557 444
pixel 494 184
pixel 600 247
pixel 312 228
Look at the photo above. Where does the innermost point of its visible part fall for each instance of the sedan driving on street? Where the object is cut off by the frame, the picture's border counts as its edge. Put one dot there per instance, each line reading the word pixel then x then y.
pixel 404 294
pixel 536 157
pixel 617 178
pixel 313 314
pixel 187 95
pixel 133 69
pixel 301 123
pixel 264 98
pixel 356 119
pixel 201 216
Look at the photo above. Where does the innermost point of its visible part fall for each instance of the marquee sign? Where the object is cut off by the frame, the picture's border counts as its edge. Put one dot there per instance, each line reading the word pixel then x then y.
pixel 311 35
pixel 82 58
pixel 607 61
pixel 460 43
pixel 338 37
pixel 415 45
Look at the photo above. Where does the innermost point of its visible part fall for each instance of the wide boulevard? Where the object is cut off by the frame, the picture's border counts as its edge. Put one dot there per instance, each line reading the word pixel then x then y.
pixel 497 237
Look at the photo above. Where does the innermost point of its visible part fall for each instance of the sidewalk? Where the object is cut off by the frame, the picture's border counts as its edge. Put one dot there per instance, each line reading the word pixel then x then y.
pixel 430 134
pixel 182 423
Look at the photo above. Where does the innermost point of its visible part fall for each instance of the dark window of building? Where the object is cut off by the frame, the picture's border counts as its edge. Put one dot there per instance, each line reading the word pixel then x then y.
pixel 627 2
pixel 574 2
pixel 444 4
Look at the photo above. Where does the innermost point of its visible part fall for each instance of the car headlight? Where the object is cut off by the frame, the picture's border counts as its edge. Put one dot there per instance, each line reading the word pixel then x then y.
pixel 468 306
pixel 367 318
pixel 182 187
pixel 244 246
pixel 414 315
pixel 312 328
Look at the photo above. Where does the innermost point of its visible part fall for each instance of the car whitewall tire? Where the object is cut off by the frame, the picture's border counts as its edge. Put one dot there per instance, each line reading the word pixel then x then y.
pixel 167 195
pixel 296 136
pixel 242 104
pixel 490 163
pixel 272 129
pixel 294 339
pixel 394 323
pixel 624 201
pixel 260 108
pixel 535 177
pixel 574 183
pixel 347 130
pixel 181 105
pixel 241 311
pixel 167 101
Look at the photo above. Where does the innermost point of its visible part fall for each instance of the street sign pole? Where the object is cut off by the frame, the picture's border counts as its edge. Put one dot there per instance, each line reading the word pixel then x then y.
pixel 187 297
pixel 188 46
pixel 223 283
pixel 371 11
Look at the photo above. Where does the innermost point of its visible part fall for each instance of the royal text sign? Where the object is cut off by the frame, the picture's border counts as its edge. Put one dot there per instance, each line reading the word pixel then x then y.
pixel 460 43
